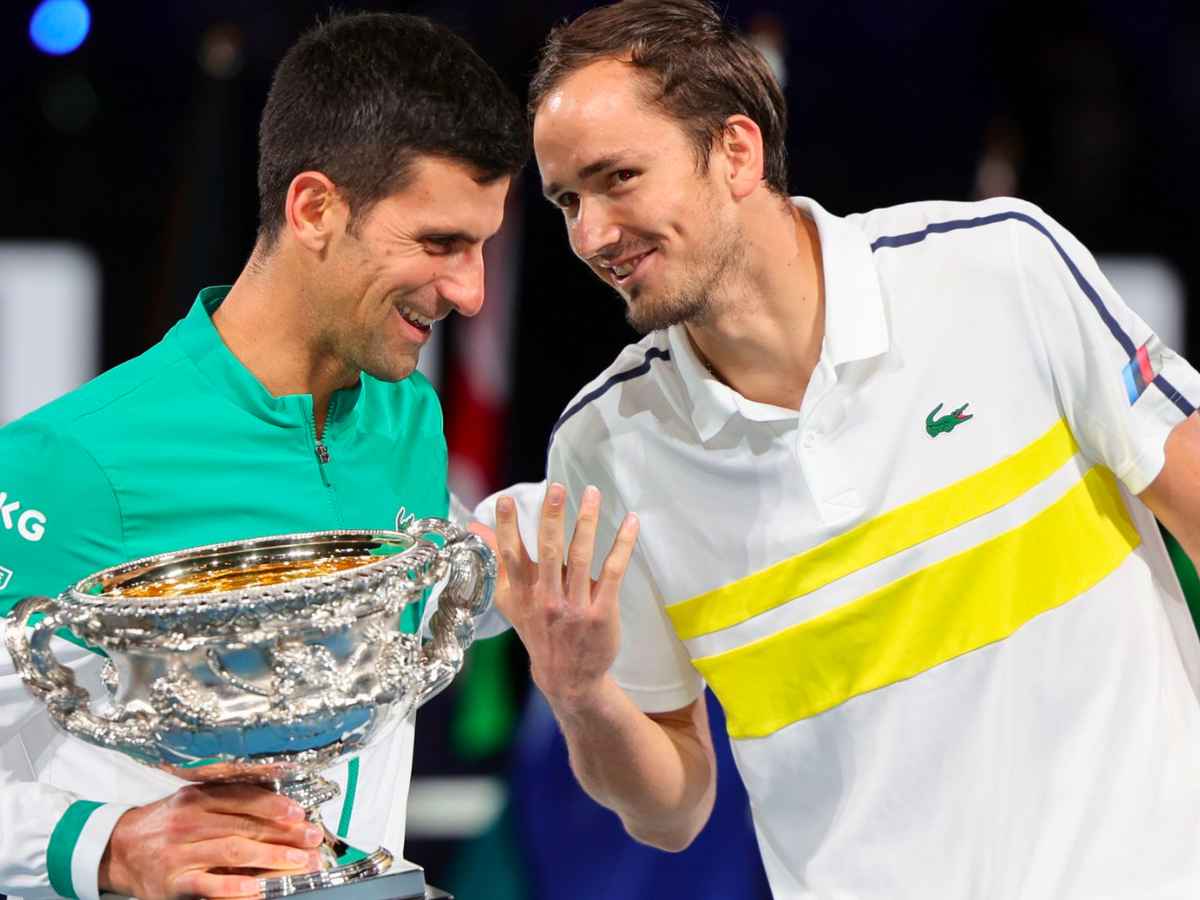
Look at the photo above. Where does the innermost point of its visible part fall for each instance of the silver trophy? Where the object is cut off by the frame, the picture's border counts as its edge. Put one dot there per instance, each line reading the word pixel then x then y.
pixel 265 661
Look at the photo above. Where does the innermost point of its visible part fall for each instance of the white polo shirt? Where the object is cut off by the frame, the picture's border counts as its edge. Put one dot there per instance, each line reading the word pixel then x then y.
pixel 952 652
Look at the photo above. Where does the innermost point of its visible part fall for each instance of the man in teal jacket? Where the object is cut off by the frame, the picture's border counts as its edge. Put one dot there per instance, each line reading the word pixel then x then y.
pixel 287 402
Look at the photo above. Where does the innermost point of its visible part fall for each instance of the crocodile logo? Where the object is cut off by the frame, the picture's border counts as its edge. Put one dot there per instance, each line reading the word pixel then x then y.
pixel 947 423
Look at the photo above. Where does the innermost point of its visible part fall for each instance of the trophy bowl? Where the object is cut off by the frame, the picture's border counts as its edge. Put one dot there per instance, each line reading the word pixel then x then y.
pixel 263 661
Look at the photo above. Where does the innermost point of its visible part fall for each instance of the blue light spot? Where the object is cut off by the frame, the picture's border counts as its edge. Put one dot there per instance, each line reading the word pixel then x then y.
pixel 60 26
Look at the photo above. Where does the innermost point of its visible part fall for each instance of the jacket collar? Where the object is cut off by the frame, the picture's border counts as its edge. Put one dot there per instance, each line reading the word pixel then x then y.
pixel 202 343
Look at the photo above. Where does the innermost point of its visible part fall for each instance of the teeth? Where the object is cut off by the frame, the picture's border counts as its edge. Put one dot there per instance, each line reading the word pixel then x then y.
pixel 623 270
pixel 415 317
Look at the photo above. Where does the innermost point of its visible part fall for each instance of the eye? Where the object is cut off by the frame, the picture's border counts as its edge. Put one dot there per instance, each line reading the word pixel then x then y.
pixel 440 246
pixel 623 176
pixel 567 200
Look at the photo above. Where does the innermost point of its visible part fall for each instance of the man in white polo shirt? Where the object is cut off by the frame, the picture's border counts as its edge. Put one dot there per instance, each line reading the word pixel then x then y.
pixel 896 476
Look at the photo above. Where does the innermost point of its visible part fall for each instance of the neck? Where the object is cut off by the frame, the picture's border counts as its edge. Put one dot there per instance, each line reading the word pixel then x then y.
pixel 764 336
pixel 267 322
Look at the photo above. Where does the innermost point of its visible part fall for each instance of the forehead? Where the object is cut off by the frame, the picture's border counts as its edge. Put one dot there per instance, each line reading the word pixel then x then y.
pixel 446 194
pixel 597 109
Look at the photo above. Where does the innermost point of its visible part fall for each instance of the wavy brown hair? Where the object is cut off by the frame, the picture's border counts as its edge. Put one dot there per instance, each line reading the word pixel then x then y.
pixel 698 69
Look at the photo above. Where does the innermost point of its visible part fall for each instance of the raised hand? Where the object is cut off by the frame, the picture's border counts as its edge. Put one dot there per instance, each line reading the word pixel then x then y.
pixel 569 623
pixel 193 843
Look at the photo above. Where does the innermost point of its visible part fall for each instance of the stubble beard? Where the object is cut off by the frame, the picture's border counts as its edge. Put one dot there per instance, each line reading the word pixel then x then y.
pixel 693 301
pixel 387 366
pixel 370 353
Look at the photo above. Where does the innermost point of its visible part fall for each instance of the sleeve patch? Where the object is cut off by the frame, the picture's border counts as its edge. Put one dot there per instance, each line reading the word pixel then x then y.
pixel 1143 367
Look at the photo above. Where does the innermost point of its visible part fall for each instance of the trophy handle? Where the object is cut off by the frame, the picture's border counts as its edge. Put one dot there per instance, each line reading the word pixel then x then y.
pixel 467 594
pixel 54 684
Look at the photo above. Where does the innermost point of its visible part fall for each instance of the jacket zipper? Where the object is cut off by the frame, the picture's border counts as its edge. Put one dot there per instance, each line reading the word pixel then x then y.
pixel 321 450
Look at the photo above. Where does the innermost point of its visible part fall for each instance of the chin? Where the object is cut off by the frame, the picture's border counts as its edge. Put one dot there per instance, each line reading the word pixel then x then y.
pixel 391 372
pixel 649 314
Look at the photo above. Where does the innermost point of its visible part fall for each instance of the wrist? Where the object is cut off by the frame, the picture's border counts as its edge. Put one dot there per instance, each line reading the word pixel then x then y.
pixel 113 875
pixel 580 701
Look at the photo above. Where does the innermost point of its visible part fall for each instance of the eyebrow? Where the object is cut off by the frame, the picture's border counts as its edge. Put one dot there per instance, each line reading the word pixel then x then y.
pixel 553 189
pixel 434 234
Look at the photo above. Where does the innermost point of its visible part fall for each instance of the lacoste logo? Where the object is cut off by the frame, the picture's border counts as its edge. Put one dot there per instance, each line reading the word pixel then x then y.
pixel 947 423
pixel 5 577
pixel 30 524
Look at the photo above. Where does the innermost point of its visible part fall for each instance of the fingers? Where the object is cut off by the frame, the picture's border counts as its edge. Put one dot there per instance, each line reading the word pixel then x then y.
pixel 209 825
pixel 608 589
pixel 550 537
pixel 515 576
pixel 488 536
pixel 508 536
pixel 204 884
pixel 579 557
pixel 242 800
pixel 236 852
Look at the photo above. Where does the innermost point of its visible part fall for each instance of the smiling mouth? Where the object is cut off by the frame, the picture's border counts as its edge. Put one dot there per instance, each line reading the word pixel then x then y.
pixel 422 323
pixel 623 272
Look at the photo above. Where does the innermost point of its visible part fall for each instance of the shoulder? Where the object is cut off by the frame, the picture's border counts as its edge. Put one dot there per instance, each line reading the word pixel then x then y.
pixel 950 225
pixel 127 386
pixel 50 458
pixel 641 380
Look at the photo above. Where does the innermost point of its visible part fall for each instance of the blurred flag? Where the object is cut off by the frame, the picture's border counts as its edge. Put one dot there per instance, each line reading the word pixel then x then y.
pixel 476 399
pixel 478 368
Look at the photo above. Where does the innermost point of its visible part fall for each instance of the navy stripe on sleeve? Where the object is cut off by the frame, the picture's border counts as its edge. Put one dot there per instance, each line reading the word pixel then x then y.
pixel 610 382
pixel 1114 327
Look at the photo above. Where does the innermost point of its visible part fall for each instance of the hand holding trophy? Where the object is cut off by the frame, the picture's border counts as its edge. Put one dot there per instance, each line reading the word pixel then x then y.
pixel 264 662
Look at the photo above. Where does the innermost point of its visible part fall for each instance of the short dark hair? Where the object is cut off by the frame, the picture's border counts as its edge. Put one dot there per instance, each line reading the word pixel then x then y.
pixel 360 97
pixel 701 70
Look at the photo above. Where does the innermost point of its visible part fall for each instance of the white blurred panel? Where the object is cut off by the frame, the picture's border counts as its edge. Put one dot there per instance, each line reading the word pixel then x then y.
pixel 1152 289
pixel 454 807
pixel 49 323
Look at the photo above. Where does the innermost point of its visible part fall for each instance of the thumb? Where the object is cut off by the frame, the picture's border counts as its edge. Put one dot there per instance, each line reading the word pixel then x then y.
pixel 502 595
pixel 488 535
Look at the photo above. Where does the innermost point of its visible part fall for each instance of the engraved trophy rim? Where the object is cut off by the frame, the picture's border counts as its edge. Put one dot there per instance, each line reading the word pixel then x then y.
pixel 269 548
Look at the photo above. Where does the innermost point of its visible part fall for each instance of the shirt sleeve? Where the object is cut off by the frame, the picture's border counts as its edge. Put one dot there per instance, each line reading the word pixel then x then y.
pixel 1121 389
pixel 652 665
pixel 59 521
pixel 59 517
pixel 51 840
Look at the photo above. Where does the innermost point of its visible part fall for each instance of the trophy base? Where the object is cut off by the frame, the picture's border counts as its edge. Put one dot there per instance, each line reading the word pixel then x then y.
pixel 403 881
pixel 370 866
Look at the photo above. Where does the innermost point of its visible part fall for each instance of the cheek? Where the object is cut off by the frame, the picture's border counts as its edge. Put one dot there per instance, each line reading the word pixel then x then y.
pixel 405 278
pixel 672 210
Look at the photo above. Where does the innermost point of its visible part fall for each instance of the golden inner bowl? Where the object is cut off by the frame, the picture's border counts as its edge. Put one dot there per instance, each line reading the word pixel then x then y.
pixel 233 579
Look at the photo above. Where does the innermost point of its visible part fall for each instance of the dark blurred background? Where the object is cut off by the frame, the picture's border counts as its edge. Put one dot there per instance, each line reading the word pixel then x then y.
pixel 136 151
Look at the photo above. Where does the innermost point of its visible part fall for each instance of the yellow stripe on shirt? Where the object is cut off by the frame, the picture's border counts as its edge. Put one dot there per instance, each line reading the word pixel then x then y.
pixel 952 607
pixel 877 539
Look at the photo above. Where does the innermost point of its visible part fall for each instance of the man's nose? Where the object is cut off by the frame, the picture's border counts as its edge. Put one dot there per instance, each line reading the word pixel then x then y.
pixel 593 229
pixel 462 286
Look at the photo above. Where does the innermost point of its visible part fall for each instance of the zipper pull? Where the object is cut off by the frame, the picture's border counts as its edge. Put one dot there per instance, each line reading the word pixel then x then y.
pixel 322 453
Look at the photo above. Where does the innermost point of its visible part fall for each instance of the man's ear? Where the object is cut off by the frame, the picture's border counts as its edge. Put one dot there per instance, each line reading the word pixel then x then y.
pixel 741 146
pixel 314 210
